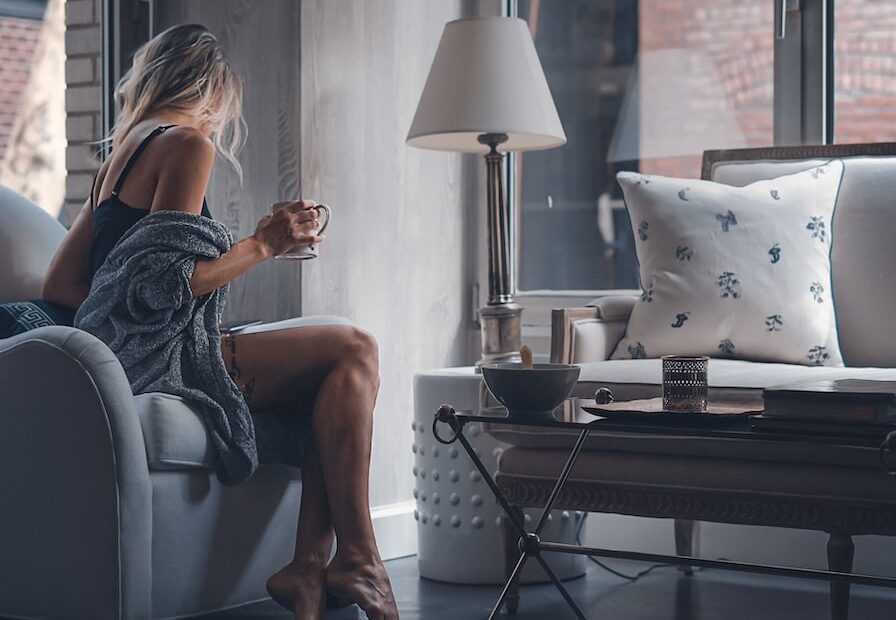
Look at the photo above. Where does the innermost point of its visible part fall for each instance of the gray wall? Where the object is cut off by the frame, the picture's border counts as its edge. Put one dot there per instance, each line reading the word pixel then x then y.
pixel 262 43
pixel 399 257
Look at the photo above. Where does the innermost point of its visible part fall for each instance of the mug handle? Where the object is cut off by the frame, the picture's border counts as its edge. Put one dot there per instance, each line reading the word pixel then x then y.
pixel 326 210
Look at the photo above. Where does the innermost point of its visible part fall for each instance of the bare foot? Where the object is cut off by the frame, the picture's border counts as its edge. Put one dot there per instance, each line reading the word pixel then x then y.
pixel 364 582
pixel 299 589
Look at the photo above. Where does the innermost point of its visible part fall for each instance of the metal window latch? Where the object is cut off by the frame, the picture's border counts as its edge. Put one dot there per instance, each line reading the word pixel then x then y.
pixel 782 8
pixel 474 295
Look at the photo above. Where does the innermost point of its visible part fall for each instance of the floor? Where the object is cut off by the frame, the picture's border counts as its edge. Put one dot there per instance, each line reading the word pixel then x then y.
pixel 664 594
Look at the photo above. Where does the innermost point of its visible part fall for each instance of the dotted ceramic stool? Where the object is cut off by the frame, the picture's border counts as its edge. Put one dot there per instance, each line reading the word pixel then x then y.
pixel 459 523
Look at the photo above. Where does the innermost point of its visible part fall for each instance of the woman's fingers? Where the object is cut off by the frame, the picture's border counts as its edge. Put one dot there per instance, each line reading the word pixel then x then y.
pixel 301 205
pixel 306 239
pixel 309 215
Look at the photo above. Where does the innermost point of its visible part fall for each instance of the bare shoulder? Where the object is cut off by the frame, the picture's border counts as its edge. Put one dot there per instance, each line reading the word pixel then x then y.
pixel 185 143
pixel 186 157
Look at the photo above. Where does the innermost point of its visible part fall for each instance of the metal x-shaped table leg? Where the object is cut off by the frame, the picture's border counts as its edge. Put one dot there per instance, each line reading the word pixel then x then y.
pixel 529 542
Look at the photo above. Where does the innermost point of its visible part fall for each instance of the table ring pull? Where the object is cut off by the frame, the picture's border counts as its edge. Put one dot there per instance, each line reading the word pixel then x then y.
pixel 448 415
pixel 888 445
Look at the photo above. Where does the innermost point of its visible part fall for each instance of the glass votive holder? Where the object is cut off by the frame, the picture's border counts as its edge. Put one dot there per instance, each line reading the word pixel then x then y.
pixel 685 383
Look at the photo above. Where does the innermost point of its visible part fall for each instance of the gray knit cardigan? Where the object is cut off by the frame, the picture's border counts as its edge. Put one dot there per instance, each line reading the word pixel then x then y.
pixel 140 304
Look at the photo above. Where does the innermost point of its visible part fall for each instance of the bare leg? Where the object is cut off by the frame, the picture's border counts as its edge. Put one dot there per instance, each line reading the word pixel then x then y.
pixel 336 368
pixel 299 586
pixel 356 573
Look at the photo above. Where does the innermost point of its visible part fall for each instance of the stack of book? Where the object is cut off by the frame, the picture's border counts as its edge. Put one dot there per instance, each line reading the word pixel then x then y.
pixel 840 407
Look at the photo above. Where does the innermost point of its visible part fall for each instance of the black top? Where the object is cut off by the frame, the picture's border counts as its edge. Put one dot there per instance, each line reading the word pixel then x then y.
pixel 112 218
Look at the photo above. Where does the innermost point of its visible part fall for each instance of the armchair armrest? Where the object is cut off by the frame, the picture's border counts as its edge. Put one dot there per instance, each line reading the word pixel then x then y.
pixel 74 481
pixel 591 333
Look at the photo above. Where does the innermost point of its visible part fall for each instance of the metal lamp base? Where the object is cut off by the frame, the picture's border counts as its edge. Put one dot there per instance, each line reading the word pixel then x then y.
pixel 500 333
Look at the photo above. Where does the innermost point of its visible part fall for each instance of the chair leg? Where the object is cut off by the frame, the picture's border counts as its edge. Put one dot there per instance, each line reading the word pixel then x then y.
pixel 687 542
pixel 840 555
pixel 511 557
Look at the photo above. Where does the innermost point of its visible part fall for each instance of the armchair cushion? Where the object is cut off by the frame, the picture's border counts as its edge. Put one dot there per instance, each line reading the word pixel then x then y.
pixel 29 237
pixel 174 433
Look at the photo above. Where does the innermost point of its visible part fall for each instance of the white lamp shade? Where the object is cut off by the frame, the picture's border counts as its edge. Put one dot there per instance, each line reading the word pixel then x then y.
pixel 486 78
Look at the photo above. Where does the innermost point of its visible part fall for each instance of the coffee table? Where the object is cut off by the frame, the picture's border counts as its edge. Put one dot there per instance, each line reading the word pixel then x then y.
pixel 531 545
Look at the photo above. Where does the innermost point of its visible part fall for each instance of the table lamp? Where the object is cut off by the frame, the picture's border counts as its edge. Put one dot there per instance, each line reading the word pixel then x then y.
pixel 486 93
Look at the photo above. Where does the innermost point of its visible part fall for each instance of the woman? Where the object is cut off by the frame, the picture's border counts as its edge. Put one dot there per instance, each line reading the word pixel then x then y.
pixel 180 103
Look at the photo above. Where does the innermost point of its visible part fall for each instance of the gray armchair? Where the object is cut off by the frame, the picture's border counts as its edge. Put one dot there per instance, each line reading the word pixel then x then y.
pixel 110 505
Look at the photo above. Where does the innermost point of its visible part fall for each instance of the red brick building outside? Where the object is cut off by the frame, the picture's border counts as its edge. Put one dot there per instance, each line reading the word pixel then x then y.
pixel 736 36
pixel 733 37
pixel 18 41
pixel 865 71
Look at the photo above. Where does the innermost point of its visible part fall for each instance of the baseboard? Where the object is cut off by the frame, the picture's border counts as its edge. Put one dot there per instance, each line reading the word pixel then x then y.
pixel 396 532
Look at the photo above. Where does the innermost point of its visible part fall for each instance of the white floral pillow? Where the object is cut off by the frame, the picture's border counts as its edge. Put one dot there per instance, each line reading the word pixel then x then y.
pixel 741 272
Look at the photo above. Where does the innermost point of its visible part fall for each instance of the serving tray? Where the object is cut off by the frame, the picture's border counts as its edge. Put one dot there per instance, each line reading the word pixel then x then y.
pixel 650 411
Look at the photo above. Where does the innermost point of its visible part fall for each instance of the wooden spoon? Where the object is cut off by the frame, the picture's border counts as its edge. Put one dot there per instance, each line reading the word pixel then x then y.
pixel 526 355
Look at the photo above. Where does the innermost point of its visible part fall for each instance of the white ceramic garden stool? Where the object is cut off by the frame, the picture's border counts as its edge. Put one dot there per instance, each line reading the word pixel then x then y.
pixel 459 531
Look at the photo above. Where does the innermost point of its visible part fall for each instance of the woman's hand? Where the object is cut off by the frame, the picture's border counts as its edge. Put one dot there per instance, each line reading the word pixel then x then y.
pixel 295 224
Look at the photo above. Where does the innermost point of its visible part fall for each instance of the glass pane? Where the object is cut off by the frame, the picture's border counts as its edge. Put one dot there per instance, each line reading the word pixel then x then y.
pixel 32 100
pixel 864 71
pixel 643 86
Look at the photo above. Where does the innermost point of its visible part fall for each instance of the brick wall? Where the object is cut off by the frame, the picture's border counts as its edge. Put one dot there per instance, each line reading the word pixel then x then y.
pixel 83 44
pixel 733 37
pixel 865 71
pixel 18 41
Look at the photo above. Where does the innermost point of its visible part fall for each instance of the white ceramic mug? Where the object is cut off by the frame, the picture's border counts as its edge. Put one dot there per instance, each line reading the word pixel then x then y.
pixel 307 251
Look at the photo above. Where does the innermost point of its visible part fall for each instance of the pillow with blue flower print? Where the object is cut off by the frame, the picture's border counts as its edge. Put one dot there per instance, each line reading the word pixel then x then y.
pixel 736 272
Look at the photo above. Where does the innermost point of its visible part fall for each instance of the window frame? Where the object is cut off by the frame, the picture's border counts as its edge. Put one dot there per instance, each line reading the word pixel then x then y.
pixel 803 114
pixel 125 25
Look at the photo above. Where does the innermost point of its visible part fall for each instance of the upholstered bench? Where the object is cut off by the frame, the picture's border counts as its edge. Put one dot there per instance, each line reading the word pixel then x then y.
pixel 836 489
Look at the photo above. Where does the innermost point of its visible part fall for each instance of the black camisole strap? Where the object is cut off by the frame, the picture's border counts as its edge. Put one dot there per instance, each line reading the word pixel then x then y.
pixel 92 190
pixel 135 155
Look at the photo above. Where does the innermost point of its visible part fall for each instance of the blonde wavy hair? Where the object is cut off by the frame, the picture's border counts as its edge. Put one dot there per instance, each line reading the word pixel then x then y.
pixel 184 68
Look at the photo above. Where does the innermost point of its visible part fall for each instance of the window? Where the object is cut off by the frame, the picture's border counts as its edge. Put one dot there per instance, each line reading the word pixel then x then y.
pixel 864 71
pixel 32 100
pixel 639 85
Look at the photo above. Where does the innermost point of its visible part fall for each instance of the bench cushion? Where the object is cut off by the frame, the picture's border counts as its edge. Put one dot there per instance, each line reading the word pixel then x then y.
pixel 686 471
pixel 630 379
pixel 701 447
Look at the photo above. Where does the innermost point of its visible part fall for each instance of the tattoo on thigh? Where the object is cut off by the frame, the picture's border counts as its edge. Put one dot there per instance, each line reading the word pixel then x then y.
pixel 230 342
pixel 235 373
pixel 249 389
